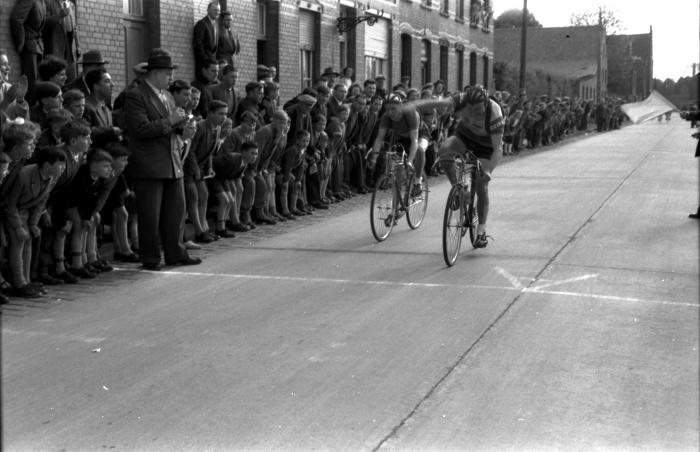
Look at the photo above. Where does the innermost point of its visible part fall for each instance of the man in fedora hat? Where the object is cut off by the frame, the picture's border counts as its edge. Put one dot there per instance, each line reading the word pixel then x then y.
pixel 331 76
pixel 92 59
pixel 27 21
pixel 155 165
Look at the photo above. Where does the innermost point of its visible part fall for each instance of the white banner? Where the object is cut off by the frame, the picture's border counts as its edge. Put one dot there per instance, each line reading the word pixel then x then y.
pixel 652 107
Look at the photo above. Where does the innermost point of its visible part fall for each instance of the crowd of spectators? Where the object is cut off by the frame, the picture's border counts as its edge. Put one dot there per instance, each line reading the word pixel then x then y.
pixel 76 161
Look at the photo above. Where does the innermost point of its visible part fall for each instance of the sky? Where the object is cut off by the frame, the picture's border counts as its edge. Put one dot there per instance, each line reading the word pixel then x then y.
pixel 675 25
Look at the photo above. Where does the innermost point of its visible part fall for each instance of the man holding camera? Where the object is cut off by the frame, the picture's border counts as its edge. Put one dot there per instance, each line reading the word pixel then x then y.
pixel 155 166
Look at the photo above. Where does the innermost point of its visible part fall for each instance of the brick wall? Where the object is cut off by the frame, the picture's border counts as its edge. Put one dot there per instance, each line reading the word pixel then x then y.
pixel 101 26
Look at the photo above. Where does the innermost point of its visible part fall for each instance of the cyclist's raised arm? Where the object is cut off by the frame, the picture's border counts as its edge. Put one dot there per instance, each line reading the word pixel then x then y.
pixel 422 104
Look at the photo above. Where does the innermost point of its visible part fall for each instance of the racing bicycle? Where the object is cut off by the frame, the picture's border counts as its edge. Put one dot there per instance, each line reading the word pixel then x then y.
pixel 393 194
pixel 460 210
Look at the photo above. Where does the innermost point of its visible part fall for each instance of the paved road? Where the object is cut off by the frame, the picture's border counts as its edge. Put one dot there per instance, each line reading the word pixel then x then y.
pixel 576 329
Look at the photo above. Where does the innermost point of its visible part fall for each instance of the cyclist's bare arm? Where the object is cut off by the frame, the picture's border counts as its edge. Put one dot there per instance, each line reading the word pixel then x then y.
pixel 379 141
pixel 430 103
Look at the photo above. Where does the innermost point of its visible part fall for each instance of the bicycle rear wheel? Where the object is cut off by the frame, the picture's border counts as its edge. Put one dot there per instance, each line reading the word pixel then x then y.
pixel 453 226
pixel 416 205
pixel 382 208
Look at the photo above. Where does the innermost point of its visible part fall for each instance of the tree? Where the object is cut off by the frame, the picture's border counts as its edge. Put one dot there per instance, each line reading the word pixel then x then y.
pixel 513 18
pixel 598 16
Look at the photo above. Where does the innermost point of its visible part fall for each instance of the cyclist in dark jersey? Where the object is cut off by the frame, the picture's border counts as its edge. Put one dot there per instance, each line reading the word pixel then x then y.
pixel 403 121
pixel 480 130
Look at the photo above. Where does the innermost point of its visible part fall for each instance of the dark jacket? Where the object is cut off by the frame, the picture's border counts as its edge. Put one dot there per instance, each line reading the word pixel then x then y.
pixel 203 42
pixel 228 45
pixel 149 129
pixel 55 35
pixel 26 24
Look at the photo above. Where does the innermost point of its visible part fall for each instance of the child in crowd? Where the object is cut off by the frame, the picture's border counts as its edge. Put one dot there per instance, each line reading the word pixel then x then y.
pixel 24 205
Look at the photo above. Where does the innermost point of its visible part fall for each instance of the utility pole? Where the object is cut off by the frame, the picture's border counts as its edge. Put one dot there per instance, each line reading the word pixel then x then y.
pixel 523 50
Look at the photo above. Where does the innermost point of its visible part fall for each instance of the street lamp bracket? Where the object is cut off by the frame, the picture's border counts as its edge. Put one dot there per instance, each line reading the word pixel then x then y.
pixel 346 24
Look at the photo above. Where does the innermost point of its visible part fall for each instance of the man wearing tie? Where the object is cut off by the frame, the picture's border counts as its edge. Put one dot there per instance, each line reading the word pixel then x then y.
pixel 225 91
pixel 229 45
pixel 155 165
pixel 205 38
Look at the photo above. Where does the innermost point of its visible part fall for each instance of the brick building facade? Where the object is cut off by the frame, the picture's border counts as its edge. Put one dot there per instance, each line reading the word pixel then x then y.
pixel 412 40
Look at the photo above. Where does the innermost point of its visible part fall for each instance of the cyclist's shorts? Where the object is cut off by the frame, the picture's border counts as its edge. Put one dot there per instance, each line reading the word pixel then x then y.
pixel 481 151
pixel 405 142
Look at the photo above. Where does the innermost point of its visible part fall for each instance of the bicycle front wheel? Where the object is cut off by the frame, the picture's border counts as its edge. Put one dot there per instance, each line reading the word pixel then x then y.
pixel 417 202
pixel 382 208
pixel 472 217
pixel 453 226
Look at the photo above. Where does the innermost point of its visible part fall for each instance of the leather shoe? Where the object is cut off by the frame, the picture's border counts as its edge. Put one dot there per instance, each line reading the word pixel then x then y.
pixel 187 260
pixel 319 205
pixel 66 278
pixel 204 237
pixel 152 266
pixel 298 213
pixel 132 257
pixel 82 272
pixel 289 216
pixel 237 227
pixel 225 233
pixel 259 219
pixel 49 280
pixel 101 266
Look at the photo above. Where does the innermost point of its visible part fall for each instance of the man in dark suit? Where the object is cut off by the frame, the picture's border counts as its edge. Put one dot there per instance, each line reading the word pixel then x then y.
pixel 225 91
pixel 97 112
pixel 206 79
pixel 60 33
pixel 205 39
pixel 155 165
pixel 26 25
pixel 228 44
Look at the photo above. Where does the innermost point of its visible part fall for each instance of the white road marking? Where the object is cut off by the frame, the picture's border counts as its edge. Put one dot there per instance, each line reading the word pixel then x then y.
pixel 564 281
pixel 66 337
pixel 515 285
pixel 512 279
pixel 613 298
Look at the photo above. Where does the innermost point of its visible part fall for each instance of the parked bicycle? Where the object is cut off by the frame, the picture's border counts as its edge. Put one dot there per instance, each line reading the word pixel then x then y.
pixel 394 194
pixel 460 210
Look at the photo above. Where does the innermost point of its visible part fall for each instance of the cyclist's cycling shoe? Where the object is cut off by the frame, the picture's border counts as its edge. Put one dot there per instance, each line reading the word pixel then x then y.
pixel 481 240
pixel 391 220
pixel 416 191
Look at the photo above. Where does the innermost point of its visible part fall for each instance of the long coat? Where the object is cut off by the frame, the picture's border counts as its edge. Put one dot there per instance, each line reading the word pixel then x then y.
pixel 149 129
pixel 27 21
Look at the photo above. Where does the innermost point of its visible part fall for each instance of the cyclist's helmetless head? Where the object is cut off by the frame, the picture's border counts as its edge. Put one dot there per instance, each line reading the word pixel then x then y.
pixel 473 103
pixel 392 105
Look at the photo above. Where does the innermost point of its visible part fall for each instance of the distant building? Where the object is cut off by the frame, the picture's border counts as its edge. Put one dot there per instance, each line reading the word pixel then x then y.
pixel 572 59
pixel 630 65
